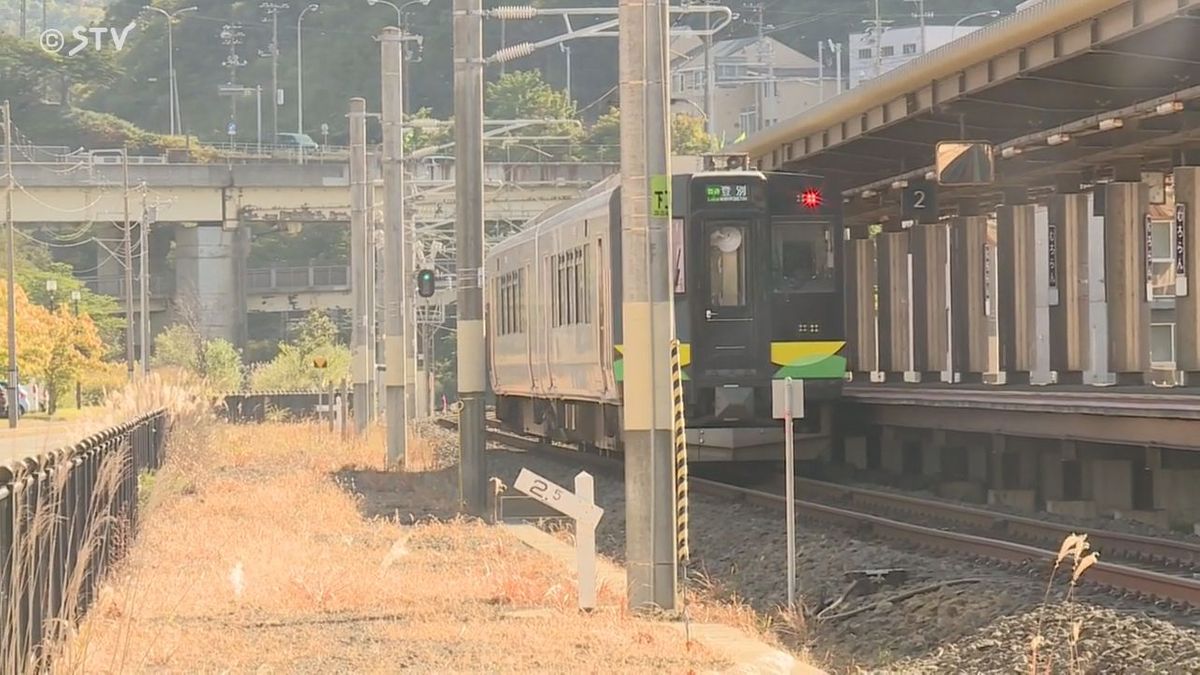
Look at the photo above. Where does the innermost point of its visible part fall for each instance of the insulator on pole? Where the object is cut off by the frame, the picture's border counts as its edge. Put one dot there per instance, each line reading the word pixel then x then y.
pixel 513 12
pixel 513 52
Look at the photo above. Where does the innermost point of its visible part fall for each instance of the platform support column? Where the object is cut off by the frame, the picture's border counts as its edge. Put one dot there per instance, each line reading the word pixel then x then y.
pixel 931 301
pixel 1186 246
pixel 971 260
pixel 1023 302
pixel 895 303
pixel 860 305
pixel 1068 218
pixel 1127 275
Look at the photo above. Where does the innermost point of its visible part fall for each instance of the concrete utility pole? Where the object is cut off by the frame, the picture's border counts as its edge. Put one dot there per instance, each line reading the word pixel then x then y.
pixel 144 284
pixel 710 76
pixel 646 307
pixel 10 187
pixel 359 279
pixel 272 10
pixel 468 228
pixel 130 362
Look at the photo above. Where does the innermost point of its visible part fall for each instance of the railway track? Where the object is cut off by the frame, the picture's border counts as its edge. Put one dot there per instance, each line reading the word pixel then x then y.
pixel 1122 579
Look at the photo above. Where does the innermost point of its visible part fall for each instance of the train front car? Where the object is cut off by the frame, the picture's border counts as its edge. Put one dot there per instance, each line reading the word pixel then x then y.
pixel 757 299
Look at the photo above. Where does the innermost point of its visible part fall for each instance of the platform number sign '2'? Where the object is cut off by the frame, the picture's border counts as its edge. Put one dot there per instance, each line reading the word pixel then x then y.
pixel 919 203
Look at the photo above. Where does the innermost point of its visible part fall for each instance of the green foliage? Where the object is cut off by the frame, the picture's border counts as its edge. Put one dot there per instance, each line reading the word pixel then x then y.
pixel 316 244
pixel 524 95
pixel 292 369
pixel 35 267
pixel 217 361
pixel 688 136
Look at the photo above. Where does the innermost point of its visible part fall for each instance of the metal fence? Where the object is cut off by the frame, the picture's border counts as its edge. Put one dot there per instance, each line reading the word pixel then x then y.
pixel 65 518
pixel 254 407
pixel 327 277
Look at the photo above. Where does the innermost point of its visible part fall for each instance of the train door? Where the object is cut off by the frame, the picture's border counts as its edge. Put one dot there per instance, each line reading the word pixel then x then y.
pixel 727 303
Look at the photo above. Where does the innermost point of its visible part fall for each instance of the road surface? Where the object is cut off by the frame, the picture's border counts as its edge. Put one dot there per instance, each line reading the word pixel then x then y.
pixel 17 444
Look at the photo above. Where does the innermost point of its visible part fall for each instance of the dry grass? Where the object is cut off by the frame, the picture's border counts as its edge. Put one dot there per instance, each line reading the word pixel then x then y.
pixel 47 582
pixel 1077 551
pixel 288 550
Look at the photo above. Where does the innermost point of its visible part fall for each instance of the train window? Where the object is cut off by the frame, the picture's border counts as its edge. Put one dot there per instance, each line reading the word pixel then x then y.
pixel 727 266
pixel 678 246
pixel 802 258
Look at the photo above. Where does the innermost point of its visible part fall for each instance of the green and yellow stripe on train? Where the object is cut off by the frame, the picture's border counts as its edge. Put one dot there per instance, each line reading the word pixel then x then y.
pixel 817 360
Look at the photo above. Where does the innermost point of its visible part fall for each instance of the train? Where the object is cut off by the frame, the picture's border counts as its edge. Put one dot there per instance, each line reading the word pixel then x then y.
pixel 757 297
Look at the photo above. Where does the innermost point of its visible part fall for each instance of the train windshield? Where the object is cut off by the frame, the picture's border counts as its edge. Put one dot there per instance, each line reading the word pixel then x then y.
pixel 802 258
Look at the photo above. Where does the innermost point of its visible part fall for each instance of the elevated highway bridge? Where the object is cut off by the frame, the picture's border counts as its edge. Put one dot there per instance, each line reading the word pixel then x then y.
pixel 979 317
pixel 204 217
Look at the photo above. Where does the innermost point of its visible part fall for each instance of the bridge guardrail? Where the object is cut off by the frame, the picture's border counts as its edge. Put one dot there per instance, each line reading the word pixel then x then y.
pixel 313 277
pixel 65 518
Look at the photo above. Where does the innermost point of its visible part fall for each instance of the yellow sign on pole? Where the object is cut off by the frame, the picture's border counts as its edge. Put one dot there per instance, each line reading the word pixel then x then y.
pixel 660 196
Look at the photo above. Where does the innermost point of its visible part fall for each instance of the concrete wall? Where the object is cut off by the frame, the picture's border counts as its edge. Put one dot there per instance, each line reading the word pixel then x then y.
pixel 209 274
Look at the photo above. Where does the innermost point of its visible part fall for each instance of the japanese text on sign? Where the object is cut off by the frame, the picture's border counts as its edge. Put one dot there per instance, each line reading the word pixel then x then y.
pixel 728 193
pixel 1052 249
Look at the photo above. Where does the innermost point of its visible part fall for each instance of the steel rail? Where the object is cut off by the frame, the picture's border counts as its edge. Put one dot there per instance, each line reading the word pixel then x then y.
pixel 1142 583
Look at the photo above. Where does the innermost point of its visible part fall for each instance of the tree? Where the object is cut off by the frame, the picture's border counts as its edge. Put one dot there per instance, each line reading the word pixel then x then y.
pixel 55 347
pixel 293 369
pixel 688 136
pixel 74 348
pixel 216 361
pixel 35 267
pixel 524 95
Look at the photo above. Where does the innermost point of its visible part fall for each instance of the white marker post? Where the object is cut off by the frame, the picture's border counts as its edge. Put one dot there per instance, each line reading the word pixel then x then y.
pixel 580 506
pixel 787 401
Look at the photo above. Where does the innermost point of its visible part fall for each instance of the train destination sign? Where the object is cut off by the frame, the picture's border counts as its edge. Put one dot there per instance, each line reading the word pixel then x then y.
pixel 716 194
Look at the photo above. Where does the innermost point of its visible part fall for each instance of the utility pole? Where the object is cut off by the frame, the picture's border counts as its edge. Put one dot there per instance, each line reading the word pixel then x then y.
pixel 144 287
pixel 370 255
pixel 646 307
pixel 710 75
pixel 128 241
pixel 272 10
pixel 468 228
pixel 10 187
pixel 359 278
pixel 878 41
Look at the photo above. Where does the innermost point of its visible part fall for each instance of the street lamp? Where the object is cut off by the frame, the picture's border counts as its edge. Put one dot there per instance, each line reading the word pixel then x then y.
pixel 399 9
pixel 993 13
pixel 51 289
pixel 172 96
pixel 300 68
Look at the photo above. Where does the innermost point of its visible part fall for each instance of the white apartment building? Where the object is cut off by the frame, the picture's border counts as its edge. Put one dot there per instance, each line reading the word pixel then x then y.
pixel 897 47
pixel 758 83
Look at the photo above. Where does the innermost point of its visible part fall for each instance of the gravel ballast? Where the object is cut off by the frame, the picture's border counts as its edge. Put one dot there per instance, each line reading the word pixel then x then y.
pixel 984 626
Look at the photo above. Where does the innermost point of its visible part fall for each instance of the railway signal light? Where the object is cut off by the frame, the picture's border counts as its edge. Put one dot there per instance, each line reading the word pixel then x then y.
pixel 426 283
pixel 811 198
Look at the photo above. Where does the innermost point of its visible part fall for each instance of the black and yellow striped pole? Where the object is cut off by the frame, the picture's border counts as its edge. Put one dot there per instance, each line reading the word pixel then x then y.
pixel 681 470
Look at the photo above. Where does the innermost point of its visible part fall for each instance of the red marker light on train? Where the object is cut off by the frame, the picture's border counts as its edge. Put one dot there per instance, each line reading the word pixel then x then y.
pixel 811 198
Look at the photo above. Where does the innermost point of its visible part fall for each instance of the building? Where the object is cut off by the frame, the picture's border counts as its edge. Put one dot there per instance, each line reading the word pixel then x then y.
pixel 758 83
pixel 897 47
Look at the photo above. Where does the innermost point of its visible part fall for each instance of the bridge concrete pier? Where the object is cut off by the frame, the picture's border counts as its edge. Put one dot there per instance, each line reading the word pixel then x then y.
pixel 860 271
pixel 1127 279
pixel 895 305
pixel 931 302
pixel 1068 219
pixel 972 260
pixel 210 262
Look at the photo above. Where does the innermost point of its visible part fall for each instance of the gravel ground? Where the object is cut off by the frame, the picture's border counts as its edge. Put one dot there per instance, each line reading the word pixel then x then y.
pixel 981 627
